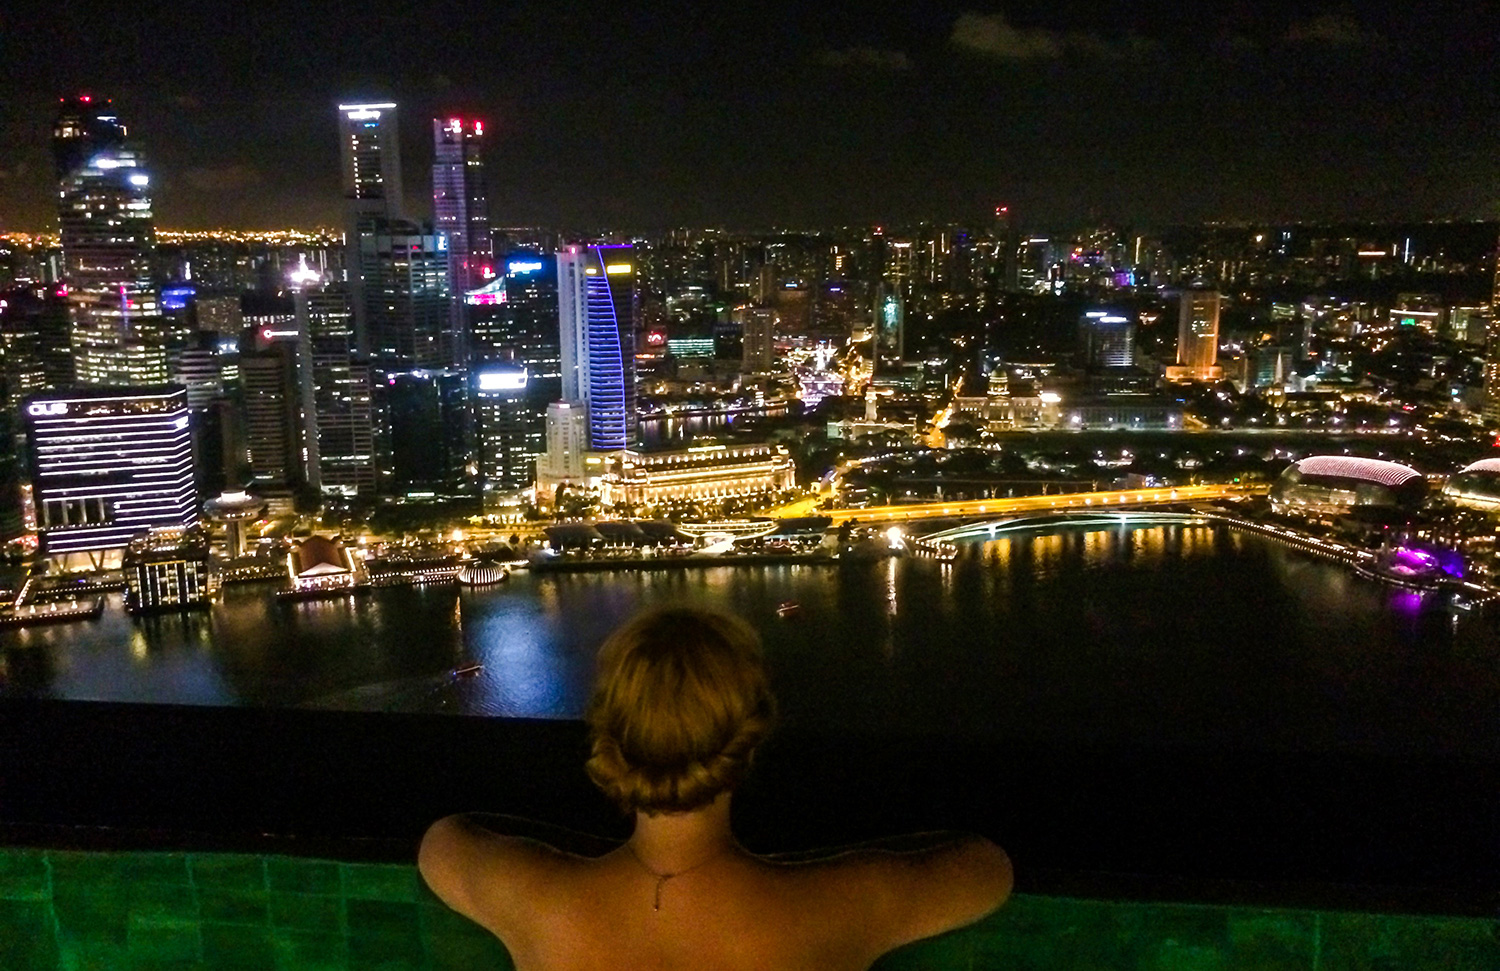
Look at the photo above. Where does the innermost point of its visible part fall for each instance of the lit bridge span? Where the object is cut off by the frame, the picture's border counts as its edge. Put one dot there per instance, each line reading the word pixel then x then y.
pixel 1065 502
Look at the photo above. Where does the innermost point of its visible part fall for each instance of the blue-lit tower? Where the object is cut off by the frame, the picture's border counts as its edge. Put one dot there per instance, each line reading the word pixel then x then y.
pixel 598 308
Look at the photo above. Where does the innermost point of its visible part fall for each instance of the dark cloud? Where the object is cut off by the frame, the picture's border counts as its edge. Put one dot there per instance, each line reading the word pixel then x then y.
pixel 993 36
pixel 223 178
pixel 866 57
pixel 1333 29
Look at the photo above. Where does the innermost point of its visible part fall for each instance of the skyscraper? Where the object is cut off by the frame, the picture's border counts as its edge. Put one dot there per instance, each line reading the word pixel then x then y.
pixel 370 150
pixel 509 437
pixel 270 419
pixel 337 414
pixel 460 207
pixel 598 308
pixel 108 235
pixel 1107 339
pixel 1197 337
pixel 759 347
pixel 404 269
pixel 1491 409
pixel 109 464
pixel 889 323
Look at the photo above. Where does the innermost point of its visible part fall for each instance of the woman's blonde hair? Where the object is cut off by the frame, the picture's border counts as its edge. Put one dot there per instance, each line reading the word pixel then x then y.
pixel 680 702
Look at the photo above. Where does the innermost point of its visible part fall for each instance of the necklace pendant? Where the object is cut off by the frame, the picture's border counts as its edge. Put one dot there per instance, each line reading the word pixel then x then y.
pixel 657 905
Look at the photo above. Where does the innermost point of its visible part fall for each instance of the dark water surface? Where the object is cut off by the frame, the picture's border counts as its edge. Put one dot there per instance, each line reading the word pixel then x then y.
pixel 1149 636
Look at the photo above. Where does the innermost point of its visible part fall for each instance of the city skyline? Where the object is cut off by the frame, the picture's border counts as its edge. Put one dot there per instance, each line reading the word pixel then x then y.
pixel 800 118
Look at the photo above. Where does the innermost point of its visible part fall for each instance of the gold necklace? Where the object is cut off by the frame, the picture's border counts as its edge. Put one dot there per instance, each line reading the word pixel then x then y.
pixel 662 878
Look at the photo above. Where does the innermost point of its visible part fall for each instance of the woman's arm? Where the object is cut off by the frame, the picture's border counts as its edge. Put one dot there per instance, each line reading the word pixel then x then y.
pixel 952 881
pixel 489 877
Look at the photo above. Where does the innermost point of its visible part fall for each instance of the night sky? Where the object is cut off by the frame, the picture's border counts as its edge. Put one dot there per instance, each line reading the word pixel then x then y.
pixel 812 115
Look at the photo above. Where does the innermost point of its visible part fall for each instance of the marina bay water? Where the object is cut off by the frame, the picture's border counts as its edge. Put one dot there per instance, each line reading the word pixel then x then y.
pixel 1160 635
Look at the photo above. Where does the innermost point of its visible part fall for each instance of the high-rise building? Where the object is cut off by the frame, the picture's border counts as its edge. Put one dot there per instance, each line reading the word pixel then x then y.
pixel 514 319
pixel 1197 337
pixel 404 269
pixel 565 461
pixel 598 308
pixel 34 336
pixel 108 235
pixel 1491 409
pixel 759 340
pixel 426 432
pixel 271 419
pixel 509 435
pixel 460 207
pixel 889 322
pixel 1107 339
pixel 370 150
pixel 337 415
pixel 109 464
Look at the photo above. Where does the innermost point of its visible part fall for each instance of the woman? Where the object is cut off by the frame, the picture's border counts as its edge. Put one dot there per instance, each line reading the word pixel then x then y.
pixel 680 704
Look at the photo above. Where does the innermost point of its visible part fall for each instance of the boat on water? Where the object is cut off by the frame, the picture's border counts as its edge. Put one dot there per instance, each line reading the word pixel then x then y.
pixel 483 573
pixel 787 608
pixel 468 670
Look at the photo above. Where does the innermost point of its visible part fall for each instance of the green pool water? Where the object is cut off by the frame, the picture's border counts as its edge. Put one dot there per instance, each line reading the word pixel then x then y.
pixel 200 911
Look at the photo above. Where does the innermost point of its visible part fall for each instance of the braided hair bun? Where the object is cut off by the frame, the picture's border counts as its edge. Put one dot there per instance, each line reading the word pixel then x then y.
pixel 680 702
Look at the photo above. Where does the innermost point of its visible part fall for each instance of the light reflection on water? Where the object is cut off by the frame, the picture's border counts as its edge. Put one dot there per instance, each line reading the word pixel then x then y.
pixel 1160 635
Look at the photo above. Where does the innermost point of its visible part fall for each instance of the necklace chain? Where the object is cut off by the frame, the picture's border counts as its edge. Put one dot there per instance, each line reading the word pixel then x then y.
pixel 662 878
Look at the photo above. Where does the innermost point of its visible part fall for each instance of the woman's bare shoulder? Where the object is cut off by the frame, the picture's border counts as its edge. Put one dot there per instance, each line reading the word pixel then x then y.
pixel 483 873
pixel 906 889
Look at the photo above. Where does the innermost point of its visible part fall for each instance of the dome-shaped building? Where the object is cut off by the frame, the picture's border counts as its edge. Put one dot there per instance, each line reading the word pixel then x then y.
pixel 1476 486
pixel 1334 485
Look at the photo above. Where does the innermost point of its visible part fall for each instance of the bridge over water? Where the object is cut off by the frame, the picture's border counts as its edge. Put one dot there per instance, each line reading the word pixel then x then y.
pixel 1065 502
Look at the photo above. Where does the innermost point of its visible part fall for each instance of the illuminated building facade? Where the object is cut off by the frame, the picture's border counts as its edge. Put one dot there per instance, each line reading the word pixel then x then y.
pixel 427 432
pixel 108 236
pixel 1332 485
pixel 337 416
pixel 889 323
pixel 598 308
pixel 321 565
pixel 270 419
pixel 460 207
pixel 1197 337
pixel 759 340
pixel 508 431
pixel 370 153
pixel 566 459
pixel 109 464
pixel 1107 339
pixel 167 570
pixel 1491 409
pixel 34 342
pixel 404 269
pixel 703 473
pixel 514 319
pixel 1476 486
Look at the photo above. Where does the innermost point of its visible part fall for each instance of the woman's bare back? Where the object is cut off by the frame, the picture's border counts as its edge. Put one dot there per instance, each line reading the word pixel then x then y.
pixel 556 911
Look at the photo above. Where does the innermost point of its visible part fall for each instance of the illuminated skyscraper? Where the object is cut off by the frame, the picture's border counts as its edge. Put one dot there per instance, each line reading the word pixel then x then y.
pixel 1107 339
pixel 370 149
pixel 408 320
pixel 597 309
pixel 1492 358
pixel 460 207
pixel 108 234
pixel 1197 336
pixel 509 434
pixel 759 345
pixel 337 414
pixel 889 322
pixel 108 465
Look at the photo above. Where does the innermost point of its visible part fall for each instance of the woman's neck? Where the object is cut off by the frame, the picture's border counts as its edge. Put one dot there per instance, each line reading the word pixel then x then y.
pixel 672 842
